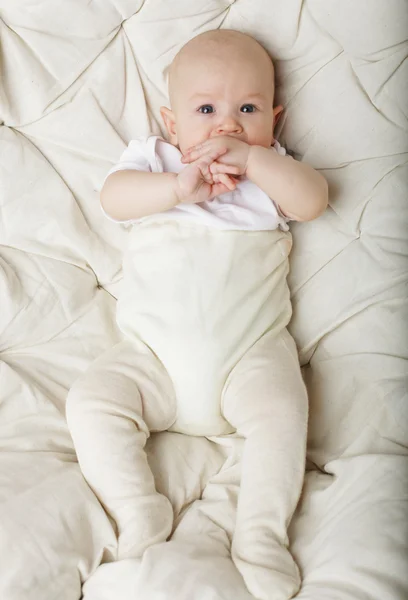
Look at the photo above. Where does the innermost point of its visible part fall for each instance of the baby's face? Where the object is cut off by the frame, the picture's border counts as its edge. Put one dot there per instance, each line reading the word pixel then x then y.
pixel 215 92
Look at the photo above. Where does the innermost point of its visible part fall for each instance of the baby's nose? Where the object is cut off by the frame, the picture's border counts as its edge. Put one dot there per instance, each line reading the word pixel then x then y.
pixel 229 125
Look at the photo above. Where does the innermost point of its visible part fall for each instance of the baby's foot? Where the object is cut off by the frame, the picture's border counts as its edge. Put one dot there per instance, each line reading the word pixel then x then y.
pixel 148 521
pixel 279 580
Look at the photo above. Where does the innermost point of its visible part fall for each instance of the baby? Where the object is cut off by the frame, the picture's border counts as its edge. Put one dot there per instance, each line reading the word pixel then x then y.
pixel 204 308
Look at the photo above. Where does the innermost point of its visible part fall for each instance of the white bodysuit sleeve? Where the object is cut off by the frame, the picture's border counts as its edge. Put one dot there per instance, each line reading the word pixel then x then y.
pixel 138 156
pixel 135 157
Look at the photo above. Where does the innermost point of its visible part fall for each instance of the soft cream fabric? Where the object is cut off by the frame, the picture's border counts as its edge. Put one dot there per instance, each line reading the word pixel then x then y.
pixel 79 80
pixel 200 298
pixel 204 313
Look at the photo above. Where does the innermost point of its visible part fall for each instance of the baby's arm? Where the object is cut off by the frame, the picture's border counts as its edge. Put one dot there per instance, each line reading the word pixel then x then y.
pixel 298 189
pixel 130 195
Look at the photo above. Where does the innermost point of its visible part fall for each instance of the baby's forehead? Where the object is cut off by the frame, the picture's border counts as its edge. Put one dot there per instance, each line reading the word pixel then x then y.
pixel 215 50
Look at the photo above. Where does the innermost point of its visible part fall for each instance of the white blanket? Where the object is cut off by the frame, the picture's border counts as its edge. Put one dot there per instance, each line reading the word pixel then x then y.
pixel 80 79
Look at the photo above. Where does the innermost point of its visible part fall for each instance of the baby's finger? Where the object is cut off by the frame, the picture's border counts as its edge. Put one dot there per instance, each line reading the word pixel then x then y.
pixel 227 181
pixel 198 148
pixel 205 152
pixel 216 178
pixel 216 167
pixel 205 171
pixel 218 189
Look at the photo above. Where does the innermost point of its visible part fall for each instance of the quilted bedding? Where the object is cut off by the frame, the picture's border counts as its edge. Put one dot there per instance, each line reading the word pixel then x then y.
pixel 80 79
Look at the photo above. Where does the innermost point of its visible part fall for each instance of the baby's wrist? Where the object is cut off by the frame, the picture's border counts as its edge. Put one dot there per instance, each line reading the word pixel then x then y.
pixel 256 155
pixel 252 152
pixel 178 195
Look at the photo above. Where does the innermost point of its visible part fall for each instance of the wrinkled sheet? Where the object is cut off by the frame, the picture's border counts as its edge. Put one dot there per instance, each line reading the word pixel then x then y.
pixel 79 80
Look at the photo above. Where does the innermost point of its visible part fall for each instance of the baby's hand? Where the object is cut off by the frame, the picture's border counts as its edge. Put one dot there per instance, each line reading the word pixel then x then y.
pixel 232 152
pixel 196 183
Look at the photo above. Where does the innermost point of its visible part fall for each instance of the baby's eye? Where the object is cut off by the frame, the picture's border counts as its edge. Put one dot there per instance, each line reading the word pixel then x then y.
pixel 206 109
pixel 248 108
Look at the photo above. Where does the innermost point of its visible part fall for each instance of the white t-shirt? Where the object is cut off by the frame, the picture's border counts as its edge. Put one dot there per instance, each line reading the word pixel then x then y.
pixel 245 208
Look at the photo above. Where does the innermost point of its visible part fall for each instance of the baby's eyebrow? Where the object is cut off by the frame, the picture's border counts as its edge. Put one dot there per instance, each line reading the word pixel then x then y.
pixel 201 95
pixel 205 95
pixel 255 95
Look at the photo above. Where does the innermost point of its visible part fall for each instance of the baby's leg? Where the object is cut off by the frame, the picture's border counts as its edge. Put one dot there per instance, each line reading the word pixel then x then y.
pixel 266 400
pixel 111 409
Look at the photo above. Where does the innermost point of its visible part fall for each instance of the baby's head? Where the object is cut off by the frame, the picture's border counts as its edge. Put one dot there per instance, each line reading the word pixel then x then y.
pixel 221 83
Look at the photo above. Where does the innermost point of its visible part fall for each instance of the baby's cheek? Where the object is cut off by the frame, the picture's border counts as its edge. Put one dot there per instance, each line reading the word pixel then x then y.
pixel 262 140
pixel 261 134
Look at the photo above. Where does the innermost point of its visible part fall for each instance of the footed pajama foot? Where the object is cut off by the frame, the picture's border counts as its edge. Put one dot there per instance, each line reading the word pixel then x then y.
pixel 147 521
pixel 280 580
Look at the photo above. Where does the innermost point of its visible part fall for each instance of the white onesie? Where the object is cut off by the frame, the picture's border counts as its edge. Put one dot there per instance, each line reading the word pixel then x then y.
pixel 200 313
pixel 203 307
pixel 245 208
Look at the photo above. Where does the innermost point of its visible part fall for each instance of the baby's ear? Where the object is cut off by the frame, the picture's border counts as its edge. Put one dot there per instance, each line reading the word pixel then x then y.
pixel 170 123
pixel 277 114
